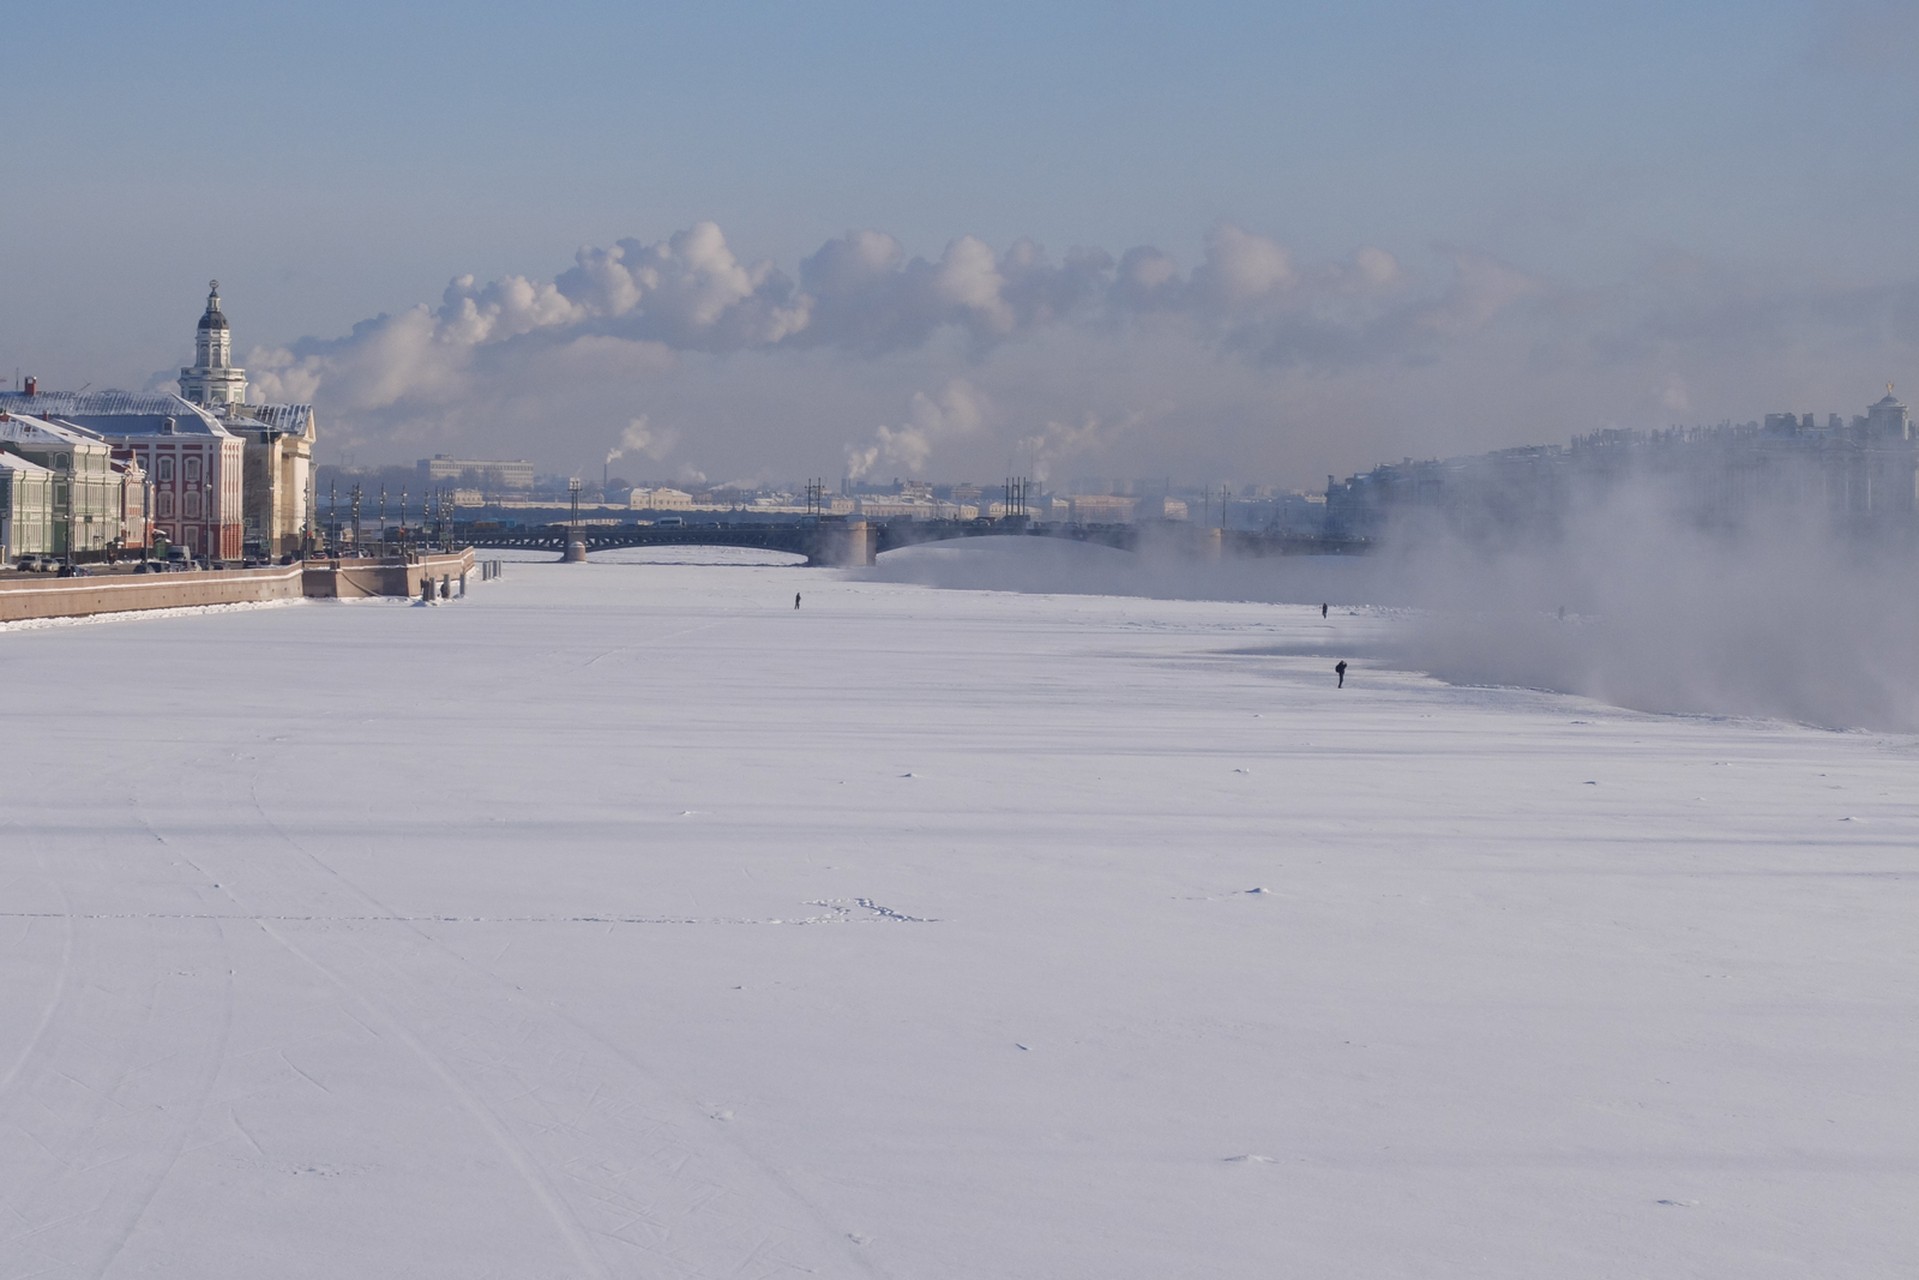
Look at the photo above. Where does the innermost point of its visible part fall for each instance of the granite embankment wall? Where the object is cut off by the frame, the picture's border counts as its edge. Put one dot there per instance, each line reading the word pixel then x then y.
pixel 357 579
pixel 22 599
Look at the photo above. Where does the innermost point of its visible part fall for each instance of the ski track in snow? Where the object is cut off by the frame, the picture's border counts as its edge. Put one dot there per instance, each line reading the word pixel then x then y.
pixel 624 1168
pixel 628 1189
pixel 105 1127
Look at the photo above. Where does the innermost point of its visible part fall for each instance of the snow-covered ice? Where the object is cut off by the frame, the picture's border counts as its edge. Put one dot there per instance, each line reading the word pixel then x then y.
pixel 623 921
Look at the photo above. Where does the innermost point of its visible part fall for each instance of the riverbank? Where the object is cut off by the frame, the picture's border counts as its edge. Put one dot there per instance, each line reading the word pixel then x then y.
pixel 26 598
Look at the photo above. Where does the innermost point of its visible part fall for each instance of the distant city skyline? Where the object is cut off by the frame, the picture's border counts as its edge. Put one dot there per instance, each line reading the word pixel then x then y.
pixel 1102 238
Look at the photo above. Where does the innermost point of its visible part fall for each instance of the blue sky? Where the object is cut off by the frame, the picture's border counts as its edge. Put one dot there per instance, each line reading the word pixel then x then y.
pixel 1651 176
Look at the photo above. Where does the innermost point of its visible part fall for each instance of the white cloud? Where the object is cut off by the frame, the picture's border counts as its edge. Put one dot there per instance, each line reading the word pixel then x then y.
pixel 1254 362
pixel 959 410
pixel 643 439
pixel 1241 269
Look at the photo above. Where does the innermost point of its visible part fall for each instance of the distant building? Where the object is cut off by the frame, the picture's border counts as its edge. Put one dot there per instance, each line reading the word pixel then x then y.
pixel 1861 477
pixel 194 464
pixel 659 500
pixel 278 485
pixel 227 478
pixel 491 476
pixel 276 511
pixel 1887 421
pixel 86 498
pixel 1094 508
pixel 26 508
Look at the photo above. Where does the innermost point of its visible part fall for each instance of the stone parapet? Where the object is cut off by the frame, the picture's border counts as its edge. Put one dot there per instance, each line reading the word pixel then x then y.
pixel 26 598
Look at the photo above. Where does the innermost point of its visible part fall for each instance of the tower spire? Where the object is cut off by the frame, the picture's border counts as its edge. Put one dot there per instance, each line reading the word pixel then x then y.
pixel 212 379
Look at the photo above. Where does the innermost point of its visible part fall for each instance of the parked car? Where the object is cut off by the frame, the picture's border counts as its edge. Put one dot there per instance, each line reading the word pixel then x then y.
pixel 68 569
pixel 28 564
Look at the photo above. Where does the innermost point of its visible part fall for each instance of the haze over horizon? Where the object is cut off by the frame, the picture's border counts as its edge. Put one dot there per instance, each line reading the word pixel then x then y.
pixel 733 243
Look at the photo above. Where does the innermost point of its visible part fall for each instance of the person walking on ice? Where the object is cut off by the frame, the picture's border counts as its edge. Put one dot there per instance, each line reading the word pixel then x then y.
pixel 796 599
pixel 1340 669
pixel 1322 610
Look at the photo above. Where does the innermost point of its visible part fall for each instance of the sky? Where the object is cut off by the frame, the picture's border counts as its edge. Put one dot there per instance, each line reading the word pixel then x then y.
pixel 1215 242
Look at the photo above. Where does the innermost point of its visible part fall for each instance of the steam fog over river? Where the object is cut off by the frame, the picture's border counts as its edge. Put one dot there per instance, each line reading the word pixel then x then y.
pixel 623 919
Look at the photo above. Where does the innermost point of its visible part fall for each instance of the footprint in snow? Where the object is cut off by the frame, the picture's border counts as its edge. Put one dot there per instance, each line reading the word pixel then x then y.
pixel 1253 1159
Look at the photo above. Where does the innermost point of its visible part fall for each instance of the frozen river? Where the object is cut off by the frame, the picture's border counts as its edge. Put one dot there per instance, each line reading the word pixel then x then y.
pixel 623 921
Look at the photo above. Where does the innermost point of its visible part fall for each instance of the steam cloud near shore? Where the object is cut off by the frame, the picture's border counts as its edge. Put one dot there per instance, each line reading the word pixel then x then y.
pixel 1782 619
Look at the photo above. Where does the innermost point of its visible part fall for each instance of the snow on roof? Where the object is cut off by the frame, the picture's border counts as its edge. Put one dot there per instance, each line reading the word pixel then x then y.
pixel 119 413
pixel 281 417
pixel 14 462
pixel 25 428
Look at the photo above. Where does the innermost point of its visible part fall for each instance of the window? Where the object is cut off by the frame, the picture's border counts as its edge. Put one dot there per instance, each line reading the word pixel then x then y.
pixel 193 471
pixel 166 505
pixel 193 504
pixel 165 473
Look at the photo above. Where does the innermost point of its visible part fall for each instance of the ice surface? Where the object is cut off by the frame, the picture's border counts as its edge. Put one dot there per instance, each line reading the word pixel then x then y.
pixel 621 920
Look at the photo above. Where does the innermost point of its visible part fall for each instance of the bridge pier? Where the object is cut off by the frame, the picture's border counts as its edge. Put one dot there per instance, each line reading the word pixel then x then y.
pixel 575 553
pixel 843 544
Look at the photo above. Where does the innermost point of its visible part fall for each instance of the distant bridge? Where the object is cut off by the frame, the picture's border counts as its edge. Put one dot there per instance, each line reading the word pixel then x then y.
pixel 843 542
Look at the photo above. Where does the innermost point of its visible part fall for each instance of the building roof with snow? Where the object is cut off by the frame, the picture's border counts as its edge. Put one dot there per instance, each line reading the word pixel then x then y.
pixel 282 419
pixel 118 413
pixel 32 431
pixel 14 462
